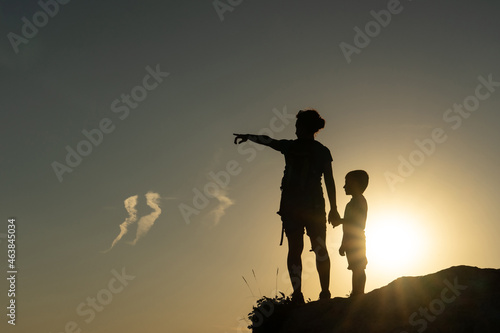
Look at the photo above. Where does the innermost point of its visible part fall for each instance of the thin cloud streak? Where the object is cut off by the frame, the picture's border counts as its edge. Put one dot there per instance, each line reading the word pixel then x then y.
pixel 224 203
pixel 130 204
pixel 146 222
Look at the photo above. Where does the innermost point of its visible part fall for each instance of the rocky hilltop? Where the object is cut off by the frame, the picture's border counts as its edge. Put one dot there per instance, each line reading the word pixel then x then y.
pixel 459 299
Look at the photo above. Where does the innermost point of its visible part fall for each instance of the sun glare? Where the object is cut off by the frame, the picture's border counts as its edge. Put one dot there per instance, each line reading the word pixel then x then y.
pixel 394 243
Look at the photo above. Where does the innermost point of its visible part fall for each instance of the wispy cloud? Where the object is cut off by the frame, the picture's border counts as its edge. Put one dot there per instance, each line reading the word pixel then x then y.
pixel 146 222
pixel 213 217
pixel 130 204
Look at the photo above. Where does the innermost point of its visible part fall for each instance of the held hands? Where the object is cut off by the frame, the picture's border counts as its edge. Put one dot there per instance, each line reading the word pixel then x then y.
pixel 242 137
pixel 334 218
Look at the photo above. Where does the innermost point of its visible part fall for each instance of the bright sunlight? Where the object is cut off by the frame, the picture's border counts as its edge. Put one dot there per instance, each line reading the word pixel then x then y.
pixel 395 242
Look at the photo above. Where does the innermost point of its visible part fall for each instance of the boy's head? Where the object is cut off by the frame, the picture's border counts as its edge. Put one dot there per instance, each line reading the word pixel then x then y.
pixel 308 123
pixel 356 182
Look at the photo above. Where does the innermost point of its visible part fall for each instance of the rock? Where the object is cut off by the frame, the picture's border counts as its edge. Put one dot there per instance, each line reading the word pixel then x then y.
pixel 459 299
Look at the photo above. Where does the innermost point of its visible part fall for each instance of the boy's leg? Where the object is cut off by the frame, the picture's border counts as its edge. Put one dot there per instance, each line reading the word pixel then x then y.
pixel 294 261
pixel 358 281
pixel 356 257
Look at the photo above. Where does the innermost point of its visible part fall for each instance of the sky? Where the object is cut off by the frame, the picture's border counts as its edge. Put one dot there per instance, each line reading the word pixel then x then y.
pixel 134 210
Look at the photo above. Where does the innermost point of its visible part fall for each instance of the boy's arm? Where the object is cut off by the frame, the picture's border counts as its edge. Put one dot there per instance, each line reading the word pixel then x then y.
pixel 355 214
pixel 333 216
pixel 260 139
pixel 354 222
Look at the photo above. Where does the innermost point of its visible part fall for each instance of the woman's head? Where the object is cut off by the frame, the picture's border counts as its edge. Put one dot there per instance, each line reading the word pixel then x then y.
pixel 309 122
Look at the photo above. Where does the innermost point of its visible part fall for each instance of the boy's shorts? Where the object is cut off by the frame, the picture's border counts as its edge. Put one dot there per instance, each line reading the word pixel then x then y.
pixel 356 255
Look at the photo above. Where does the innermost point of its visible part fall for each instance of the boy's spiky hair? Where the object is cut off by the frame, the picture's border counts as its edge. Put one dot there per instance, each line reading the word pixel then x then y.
pixel 360 177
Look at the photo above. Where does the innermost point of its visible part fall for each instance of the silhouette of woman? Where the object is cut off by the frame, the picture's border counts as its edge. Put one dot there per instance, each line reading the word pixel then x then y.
pixel 302 203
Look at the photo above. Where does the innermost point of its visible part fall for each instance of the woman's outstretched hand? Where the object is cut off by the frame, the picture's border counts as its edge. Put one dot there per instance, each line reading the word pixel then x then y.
pixel 242 137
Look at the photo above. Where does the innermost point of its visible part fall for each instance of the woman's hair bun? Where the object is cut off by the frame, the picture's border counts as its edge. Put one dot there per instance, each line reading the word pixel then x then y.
pixel 311 120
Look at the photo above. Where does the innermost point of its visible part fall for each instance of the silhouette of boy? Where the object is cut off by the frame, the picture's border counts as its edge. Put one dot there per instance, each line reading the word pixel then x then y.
pixel 353 225
pixel 302 204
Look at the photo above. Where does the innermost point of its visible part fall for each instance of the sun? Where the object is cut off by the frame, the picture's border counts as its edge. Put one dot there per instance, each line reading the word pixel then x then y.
pixel 395 243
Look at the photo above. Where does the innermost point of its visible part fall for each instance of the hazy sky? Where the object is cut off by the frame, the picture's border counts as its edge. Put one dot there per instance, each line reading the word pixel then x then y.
pixel 410 93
